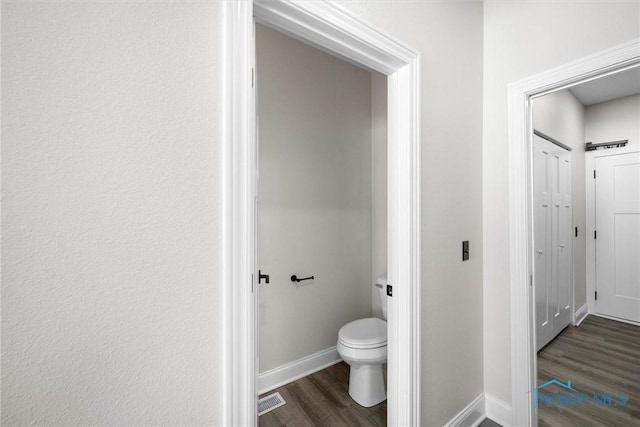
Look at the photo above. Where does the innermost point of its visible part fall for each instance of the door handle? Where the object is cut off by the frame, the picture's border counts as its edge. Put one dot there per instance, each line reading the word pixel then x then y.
pixel 540 251
pixel 563 246
pixel 262 276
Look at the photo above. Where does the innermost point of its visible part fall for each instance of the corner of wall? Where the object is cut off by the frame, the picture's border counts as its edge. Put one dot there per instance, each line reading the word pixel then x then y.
pixel 378 185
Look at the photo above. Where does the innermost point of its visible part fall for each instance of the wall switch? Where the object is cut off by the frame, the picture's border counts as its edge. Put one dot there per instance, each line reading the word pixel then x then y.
pixel 465 250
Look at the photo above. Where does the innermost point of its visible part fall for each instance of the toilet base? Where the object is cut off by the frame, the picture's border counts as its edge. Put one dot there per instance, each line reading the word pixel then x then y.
pixel 366 385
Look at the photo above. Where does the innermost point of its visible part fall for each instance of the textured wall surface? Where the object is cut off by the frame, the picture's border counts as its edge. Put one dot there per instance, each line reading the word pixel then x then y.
pixel 522 39
pixel 560 115
pixel 111 198
pixel 111 221
pixel 314 196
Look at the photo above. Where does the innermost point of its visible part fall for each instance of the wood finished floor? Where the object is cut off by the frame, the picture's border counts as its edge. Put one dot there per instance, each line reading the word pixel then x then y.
pixel 322 399
pixel 600 356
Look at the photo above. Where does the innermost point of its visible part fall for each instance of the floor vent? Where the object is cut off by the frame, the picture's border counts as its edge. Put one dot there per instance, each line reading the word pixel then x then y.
pixel 269 403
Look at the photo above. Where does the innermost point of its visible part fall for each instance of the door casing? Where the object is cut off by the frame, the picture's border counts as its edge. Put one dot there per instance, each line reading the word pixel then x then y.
pixel 520 96
pixel 331 28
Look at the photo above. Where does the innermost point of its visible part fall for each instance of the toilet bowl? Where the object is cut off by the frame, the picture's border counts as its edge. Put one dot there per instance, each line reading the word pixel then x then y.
pixel 362 344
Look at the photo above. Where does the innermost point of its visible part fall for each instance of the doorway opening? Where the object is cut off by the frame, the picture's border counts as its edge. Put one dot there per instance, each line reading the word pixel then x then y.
pixel 321 232
pixel 568 124
pixel 355 41
pixel 521 94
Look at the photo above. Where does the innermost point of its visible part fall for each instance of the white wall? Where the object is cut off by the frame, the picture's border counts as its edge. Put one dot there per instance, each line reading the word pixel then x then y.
pixel 448 36
pixel 314 196
pixel 112 208
pixel 522 39
pixel 378 185
pixel 111 220
pixel 614 120
pixel 560 115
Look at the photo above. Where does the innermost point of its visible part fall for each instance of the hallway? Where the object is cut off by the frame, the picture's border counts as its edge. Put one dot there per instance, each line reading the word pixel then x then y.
pixel 600 356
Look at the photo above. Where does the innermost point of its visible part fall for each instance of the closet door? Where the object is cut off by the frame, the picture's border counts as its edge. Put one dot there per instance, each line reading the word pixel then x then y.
pixel 542 274
pixel 553 251
pixel 564 243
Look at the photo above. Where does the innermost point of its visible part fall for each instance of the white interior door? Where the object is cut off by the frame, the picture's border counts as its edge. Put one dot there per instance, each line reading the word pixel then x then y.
pixel 553 252
pixel 564 242
pixel 617 241
pixel 542 188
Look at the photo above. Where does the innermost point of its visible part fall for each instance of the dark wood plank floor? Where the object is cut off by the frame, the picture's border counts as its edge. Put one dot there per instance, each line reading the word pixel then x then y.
pixel 599 356
pixel 322 399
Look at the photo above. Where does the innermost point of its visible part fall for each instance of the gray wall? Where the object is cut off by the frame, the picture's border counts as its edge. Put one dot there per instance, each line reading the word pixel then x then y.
pixel 522 39
pixel 111 219
pixel 448 36
pixel 378 185
pixel 614 120
pixel 314 196
pixel 111 170
pixel 112 209
pixel 560 115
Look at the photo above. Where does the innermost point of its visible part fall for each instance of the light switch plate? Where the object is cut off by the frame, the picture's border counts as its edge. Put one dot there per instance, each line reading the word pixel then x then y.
pixel 465 250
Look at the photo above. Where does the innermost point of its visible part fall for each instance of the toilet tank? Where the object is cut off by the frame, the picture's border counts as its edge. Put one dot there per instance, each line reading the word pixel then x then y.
pixel 381 284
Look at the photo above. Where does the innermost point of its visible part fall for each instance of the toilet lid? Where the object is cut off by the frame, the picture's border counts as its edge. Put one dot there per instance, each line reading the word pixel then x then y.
pixel 364 333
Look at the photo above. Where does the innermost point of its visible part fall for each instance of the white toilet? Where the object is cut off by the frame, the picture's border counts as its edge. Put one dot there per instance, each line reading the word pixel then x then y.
pixel 363 345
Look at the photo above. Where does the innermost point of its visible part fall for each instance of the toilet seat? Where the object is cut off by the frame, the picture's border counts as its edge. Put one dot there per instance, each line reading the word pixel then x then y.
pixel 364 333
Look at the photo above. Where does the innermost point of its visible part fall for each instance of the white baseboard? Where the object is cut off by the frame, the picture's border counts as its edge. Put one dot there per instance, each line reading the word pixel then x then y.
pixel 617 319
pixel 581 314
pixel 297 369
pixel 498 410
pixel 472 415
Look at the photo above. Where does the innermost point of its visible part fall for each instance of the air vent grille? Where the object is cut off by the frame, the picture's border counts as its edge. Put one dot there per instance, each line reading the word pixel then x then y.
pixel 269 403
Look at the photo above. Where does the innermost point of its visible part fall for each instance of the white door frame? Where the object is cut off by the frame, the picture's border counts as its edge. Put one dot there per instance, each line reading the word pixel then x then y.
pixel 332 28
pixel 523 360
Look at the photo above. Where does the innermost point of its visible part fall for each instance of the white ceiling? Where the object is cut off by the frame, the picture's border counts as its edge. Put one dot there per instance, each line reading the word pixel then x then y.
pixel 615 86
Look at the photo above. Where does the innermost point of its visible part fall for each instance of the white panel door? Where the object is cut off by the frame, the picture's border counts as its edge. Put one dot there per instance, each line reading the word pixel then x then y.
pixel 564 242
pixel 553 252
pixel 618 236
pixel 542 189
